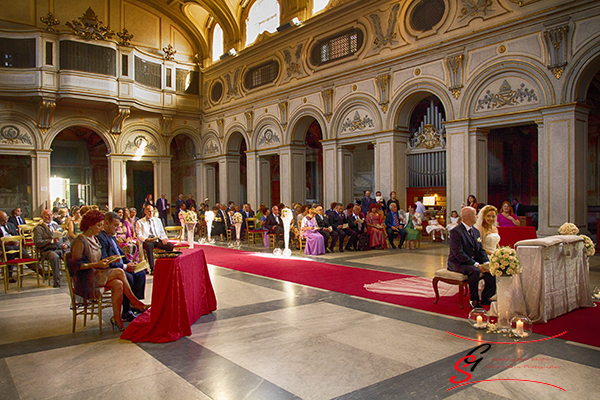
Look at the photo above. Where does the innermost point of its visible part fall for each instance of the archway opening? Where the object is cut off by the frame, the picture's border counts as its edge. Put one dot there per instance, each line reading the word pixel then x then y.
pixel 237 184
pixel 314 164
pixel 593 101
pixel 15 184
pixel 140 183
pixel 183 168
pixel 275 179
pixel 79 167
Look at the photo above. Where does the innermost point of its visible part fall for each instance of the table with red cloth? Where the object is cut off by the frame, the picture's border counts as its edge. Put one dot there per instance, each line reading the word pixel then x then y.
pixel 181 293
pixel 509 235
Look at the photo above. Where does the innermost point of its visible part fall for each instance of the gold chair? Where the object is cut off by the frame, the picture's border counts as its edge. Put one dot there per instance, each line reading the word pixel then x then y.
pixel 18 261
pixel 174 232
pixel 4 271
pixel 251 232
pixel 302 238
pixel 85 307
pixel 27 232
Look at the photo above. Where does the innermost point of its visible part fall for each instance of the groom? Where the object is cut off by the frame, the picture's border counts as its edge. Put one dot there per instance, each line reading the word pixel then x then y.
pixel 467 256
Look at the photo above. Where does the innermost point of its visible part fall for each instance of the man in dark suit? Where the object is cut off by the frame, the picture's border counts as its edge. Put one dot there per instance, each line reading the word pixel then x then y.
pixel 365 202
pixel 190 202
pixel 467 256
pixel 178 204
pixel 394 226
pixel 50 248
pixel 137 280
pixel 339 224
pixel 162 205
pixel 518 208
pixel 274 225
pixel 325 229
pixel 16 218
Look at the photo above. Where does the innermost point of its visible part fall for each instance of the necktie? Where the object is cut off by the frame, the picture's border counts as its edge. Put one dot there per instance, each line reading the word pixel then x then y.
pixel 20 220
pixel 396 222
pixel 152 232
pixel 472 233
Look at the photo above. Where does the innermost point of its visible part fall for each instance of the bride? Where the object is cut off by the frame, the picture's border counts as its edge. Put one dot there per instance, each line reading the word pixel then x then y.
pixel 486 225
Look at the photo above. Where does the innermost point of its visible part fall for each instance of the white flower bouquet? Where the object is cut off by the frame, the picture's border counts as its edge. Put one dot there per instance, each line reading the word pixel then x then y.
pixel 190 217
pixel 237 218
pixel 568 229
pixel 590 247
pixel 504 261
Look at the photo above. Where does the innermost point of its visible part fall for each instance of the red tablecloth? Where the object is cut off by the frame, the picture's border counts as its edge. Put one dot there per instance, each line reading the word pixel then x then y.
pixel 181 293
pixel 512 234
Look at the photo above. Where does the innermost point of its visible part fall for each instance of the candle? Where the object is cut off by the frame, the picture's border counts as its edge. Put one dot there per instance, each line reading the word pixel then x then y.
pixel 519 328
pixel 479 321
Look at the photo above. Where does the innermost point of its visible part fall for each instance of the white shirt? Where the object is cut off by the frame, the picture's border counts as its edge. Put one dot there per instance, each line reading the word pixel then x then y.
pixel 144 226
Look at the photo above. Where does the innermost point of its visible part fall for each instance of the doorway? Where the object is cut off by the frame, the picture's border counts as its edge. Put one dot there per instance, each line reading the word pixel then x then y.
pixel 141 176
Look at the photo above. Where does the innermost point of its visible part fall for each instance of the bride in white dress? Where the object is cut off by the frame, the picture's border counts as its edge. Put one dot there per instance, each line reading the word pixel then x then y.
pixel 486 225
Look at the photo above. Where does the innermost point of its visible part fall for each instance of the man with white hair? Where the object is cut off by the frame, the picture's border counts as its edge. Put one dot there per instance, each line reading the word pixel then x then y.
pixel 468 257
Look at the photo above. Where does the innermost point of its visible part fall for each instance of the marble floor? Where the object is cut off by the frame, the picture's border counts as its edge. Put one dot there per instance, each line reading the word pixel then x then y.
pixel 271 339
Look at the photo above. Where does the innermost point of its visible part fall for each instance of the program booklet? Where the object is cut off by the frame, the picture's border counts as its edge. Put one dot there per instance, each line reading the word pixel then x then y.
pixel 59 234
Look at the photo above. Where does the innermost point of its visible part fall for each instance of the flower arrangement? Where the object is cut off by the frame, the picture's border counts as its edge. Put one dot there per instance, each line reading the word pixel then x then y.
pixel 505 262
pixel 190 217
pixel 568 229
pixel 237 218
pixel 590 247
pixel 286 214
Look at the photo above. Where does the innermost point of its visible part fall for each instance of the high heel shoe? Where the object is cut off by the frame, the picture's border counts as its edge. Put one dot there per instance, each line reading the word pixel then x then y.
pixel 114 324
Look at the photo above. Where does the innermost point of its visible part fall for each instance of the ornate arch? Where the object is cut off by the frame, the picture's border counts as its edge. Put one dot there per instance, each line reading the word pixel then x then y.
pixel 406 97
pixel 581 73
pixel 96 126
pixel 268 133
pixel 516 82
pixel 234 128
pixel 211 145
pixel 300 122
pixel 356 113
pixel 135 129
pixel 186 132
pixel 9 137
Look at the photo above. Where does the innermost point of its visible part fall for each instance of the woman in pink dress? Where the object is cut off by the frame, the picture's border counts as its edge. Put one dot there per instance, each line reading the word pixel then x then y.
pixel 315 243
pixel 507 217
pixel 375 228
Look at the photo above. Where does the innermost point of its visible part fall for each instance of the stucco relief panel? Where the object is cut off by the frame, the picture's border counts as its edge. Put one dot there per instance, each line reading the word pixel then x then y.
pixel 211 148
pixel 507 93
pixel 385 28
pixel 14 135
pixel 140 143
pixel 357 121
pixel 469 10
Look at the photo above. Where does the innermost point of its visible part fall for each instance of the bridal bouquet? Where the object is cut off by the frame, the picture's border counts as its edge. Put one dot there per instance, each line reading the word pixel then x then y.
pixel 590 247
pixel 190 217
pixel 504 261
pixel 237 218
pixel 568 229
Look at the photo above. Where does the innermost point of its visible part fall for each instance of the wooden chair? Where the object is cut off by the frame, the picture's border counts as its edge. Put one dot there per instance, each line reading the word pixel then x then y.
pixel 452 278
pixel 18 261
pixel 174 232
pixel 302 239
pixel 4 271
pixel 27 232
pixel 251 232
pixel 85 307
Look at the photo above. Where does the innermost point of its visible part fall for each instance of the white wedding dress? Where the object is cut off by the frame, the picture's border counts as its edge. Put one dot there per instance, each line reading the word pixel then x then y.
pixel 490 243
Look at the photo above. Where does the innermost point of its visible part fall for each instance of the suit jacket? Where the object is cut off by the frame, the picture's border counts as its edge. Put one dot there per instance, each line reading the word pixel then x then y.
pixel 464 250
pixel 142 228
pixel 519 210
pixel 365 202
pixel 389 220
pixel 322 221
pixel 189 203
pixel 13 220
pixel 354 224
pixel 42 238
pixel 336 220
pixel 271 223
pixel 108 249
pixel 11 228
pixel 178 204
pixel 162 208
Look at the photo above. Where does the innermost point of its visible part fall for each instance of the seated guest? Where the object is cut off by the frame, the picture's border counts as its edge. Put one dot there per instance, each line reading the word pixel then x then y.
pixel 376 228
pixel 326 229
pixel 518 208
pixel 454 221
pixel 125 238
pixel 356 221
pixel 8 229
pixel 50 248
pixel 315 244
pixel 274 225
pixel 15 218
pixel 413 222
pixel 394 226
pixel 219 224
pixel 434 226
pixel 72 223
pixel 148 201
pixel 486 225
pixel 467 257
pixel 349 210
pixel 472 202
pixel 91 272
pixel 150 231
pixel 338 222
pixel 110 247
pixel 381 201
pixel 263 218
pixel 507 217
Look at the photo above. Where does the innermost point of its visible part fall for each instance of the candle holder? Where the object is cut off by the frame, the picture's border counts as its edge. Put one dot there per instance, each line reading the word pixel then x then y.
pixel 521 326
pixel 277 252
pixel 478 318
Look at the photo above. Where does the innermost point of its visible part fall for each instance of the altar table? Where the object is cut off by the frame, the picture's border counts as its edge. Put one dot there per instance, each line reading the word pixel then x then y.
pixel 181 293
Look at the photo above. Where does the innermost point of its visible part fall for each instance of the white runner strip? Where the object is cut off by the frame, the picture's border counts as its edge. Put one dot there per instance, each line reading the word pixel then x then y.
pixel 415 286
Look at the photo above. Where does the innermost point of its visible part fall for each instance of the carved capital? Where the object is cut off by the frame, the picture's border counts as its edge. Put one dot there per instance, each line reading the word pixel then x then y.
pixel 249 120
pixel 455 67
pixel 45 113
pixel 556 40
pixel 283 113
pixel 117 122
pixel 166 122
pixel 383 86
pixel 327 96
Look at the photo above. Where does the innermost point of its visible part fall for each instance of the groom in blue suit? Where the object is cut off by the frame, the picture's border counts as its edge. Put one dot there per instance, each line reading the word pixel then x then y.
pixel 467 257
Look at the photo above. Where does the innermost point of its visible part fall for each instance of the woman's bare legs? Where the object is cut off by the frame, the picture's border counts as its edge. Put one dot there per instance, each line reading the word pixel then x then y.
pixel 116 290
pixel 118 275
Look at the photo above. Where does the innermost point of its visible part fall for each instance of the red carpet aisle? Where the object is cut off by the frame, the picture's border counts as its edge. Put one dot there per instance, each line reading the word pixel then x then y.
pixel 581 325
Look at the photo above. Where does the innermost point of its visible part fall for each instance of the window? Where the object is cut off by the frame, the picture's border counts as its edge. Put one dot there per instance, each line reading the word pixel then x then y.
pixel 319 5
pixel 49 53
pixel 124 64
pixel 86 57
pixel 216 92
pixel 147 73
pixel 217 44
pixel 427 14
pixel 261 75
pixel 337 47
pixel 263 16
pixel 17 53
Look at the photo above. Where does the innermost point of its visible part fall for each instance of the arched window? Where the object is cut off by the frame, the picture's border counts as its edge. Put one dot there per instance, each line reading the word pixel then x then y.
pixel 319 5
pixel 263 16
pixel 217 44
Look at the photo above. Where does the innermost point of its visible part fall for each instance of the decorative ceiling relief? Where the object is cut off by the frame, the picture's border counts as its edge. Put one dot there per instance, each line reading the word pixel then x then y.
pixel 385 30
pixel 141 144
pixel 232 81
pixel 471 9
pixel 268 138
pixel 556 40
pixel 357 123
pixel 293 63
pixel 90 27
pixel 10 134
pixel 505 96
pixel 211 148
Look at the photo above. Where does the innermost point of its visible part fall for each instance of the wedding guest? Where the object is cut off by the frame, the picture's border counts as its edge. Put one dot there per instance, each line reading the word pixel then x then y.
pixel 472 202
pixel 72 223
pixel 9 229
pixel 349 210
pixel 134 216
pixel 91 272
pixel 375 228
pixel 454 221
pixel 340 225
pixel 467 257
pixel 326 229
pixel 393 199
pixel 395 226
pixel 178 204
pixel 434 226
pixel 420 207
pixel 124 236
pixel 315 243
pixel 148 201
pixel 50 248
pixel 518 207
pixel 381 201
pixel 366 201
pixel 413 222
pixel 486 225
pixel 150 231
pixel 356 220
pixel 15 217
pixel 274 225
pixel 128 223
pixel 162 205
pixel 190 202
pixel 507 217
pixel 110 247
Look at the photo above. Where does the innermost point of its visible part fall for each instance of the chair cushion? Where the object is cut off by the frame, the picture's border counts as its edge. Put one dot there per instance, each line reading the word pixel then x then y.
pixel 456 276
pixel 22 261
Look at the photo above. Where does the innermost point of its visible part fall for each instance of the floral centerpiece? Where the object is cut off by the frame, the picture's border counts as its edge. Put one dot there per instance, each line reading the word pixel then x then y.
pixel 286 213
pixel 590 247
pixel 237 218
pixel 190 217
pixel 504 261
pixel 568 228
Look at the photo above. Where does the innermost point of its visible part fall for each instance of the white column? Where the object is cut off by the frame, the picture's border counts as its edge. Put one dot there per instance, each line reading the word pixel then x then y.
pixel 292 164
pixel 210 183
pixel 117 181
pixel 330 173
pixel 265 182
pixel 478 165
pixel 391 163
pixel 563 158
pixel 229 179
pixel 253 178
pixel 345 174
pixel 457 162
pixel 41 186
pixel 201 192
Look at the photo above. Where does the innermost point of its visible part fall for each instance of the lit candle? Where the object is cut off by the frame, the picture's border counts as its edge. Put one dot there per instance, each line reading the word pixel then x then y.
pixel 519 328
pixel 479 321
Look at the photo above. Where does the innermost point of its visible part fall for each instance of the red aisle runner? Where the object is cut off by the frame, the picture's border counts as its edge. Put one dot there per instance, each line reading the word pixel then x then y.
pixel 580 324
